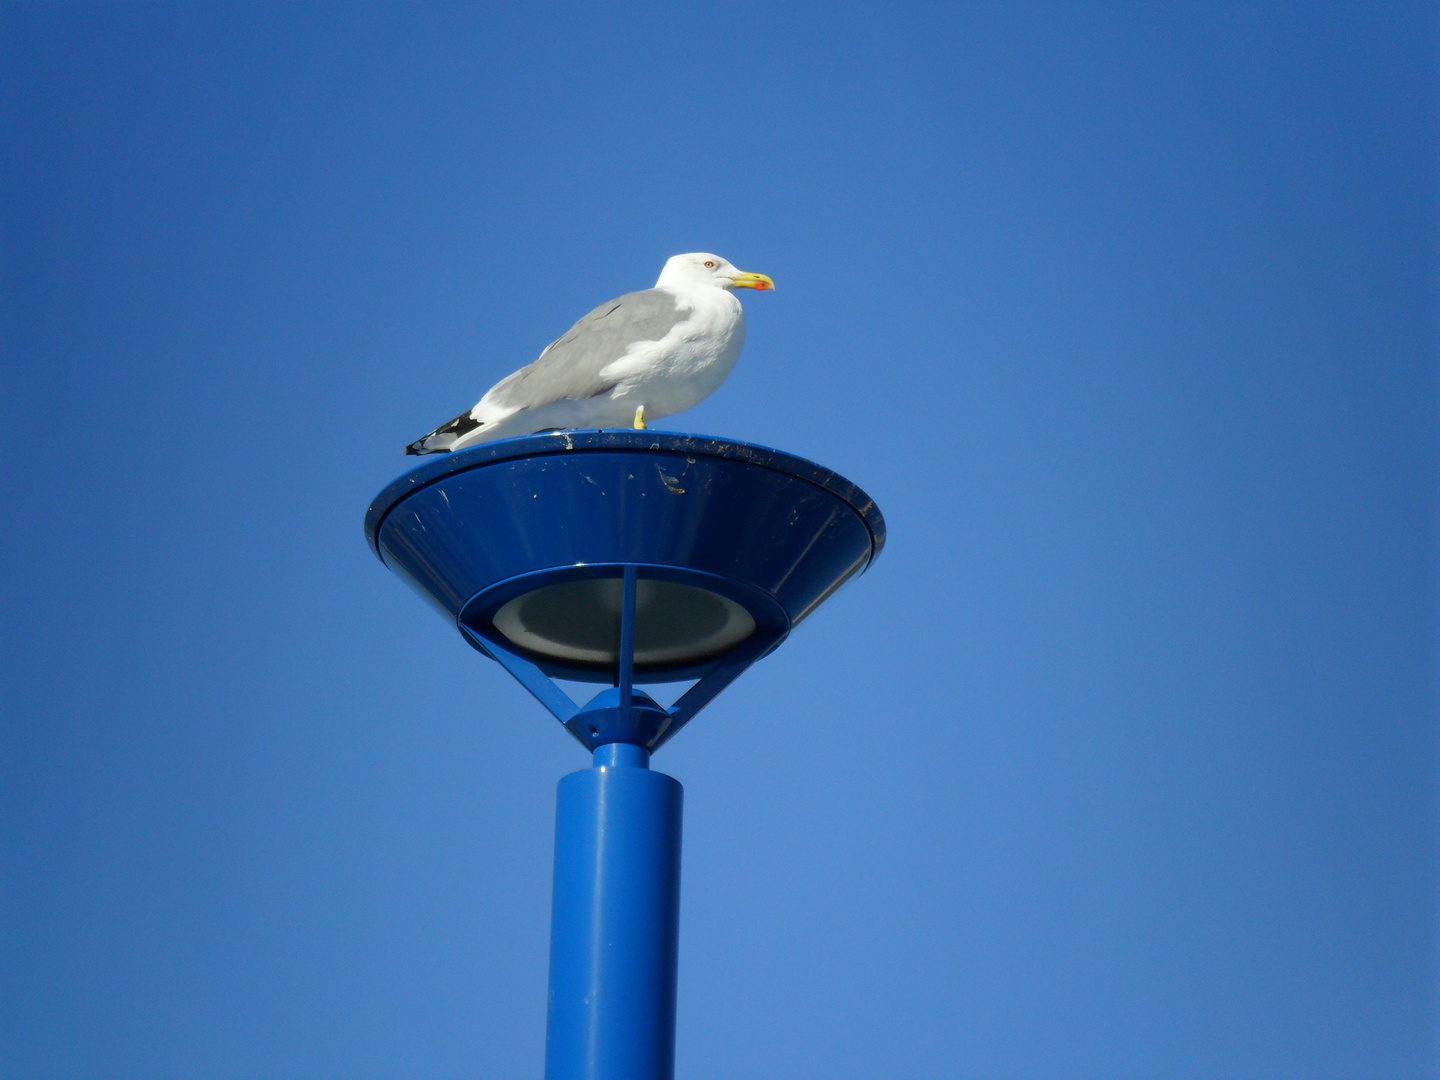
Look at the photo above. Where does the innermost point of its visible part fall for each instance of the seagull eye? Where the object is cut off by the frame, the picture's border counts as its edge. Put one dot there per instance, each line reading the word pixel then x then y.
pixel 709 264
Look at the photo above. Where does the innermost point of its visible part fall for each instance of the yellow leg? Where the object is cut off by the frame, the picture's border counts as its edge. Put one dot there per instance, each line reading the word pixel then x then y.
pixel 640 418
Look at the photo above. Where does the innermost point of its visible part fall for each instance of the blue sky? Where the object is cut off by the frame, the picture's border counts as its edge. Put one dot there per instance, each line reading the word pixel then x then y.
pixel 1119 763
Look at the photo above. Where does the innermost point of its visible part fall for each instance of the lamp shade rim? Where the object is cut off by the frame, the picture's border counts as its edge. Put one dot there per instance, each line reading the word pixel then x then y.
pixel 568 442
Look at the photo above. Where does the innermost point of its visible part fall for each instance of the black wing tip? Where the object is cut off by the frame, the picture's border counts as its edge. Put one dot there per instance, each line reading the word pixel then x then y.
pixel 452 432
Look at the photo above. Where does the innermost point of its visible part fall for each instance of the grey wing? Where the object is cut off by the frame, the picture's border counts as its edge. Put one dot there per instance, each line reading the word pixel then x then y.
pixel 570 366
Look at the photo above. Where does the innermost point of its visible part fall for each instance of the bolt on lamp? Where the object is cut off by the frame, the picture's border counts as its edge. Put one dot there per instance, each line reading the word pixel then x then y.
pixel 621 558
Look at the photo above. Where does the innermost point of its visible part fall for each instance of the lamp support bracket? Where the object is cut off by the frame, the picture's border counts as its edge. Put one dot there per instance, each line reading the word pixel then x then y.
pixel 622 713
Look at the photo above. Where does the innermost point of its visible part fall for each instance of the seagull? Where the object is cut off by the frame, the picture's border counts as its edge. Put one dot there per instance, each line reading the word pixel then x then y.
pixel 639 357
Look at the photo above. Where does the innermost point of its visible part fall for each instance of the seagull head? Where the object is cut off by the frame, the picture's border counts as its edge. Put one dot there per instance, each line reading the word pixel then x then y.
pixel 700 268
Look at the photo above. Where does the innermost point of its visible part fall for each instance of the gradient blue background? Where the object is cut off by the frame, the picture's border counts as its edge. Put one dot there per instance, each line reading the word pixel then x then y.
pixel 1120 763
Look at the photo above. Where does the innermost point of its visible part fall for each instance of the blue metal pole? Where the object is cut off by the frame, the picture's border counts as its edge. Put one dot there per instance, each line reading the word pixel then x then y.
pixel 615 921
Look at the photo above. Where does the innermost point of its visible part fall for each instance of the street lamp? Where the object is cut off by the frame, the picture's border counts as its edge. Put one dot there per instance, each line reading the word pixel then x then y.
pixel 621 558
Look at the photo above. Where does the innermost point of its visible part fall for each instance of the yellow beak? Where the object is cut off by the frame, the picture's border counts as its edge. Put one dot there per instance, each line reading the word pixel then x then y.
pixel 752 281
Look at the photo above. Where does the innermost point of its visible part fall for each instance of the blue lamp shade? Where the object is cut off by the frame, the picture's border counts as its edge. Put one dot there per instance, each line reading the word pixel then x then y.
pixel 524 544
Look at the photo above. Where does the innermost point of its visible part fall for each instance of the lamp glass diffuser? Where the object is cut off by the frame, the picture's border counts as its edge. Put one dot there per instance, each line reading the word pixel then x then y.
pixel 579 621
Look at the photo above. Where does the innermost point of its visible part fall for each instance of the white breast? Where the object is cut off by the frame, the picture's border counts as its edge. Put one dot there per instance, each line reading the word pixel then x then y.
pixel 690 362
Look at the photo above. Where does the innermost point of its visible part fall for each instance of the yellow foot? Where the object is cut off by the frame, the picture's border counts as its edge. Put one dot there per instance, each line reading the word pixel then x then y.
pixel 640 418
